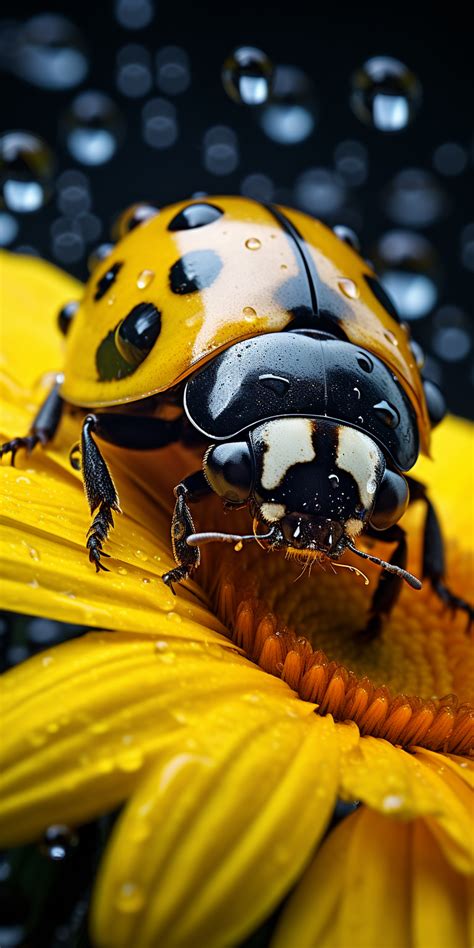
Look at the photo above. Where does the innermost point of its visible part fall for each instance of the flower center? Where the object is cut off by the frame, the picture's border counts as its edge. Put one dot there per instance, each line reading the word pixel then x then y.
pixel 411 685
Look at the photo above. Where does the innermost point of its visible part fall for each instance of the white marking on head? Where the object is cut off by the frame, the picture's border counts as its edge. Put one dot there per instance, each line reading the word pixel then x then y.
pixel 359 455
pixel 272 512
pixel 288 441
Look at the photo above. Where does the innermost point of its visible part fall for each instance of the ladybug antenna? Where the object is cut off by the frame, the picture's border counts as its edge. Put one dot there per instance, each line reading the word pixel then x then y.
pixel 197 539
pixel 390 567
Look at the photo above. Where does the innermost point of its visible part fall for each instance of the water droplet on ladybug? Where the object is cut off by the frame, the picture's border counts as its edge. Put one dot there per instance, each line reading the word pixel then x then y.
pixel 253 243
pixel 349 288
pixel 333 480
pixel 391 338
pixel 145 278
pixel 247 76
pixel 356 392
pixel 249 312
pixel 387 413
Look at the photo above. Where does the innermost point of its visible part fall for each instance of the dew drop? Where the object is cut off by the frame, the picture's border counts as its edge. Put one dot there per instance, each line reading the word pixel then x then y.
pixel 161 646
pixel 140 555
pixel 349 288
pixel 146 581
pixel 356 392
pixel 253 243
pixel 333 480
pixel 51 53
pixel 391 338
pixel 92 128
pixel 247 76
pixel 122 571
pixel 130 898
pixel 290 116
pixel 409 271
pixel 387 413
pixel 23 480
pixel 58 842
pixel 249 312
pixel 145 278
pixel 26 171
pixel 385 94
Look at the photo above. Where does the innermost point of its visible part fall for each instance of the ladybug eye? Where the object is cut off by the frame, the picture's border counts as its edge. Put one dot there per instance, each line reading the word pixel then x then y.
pixel 383 297
pixel 195 215
pixel 107 280
pixel 137 334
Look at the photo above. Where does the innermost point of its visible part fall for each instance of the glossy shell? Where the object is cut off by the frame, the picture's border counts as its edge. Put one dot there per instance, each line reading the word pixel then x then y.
pixel 276 376
pixel 240 275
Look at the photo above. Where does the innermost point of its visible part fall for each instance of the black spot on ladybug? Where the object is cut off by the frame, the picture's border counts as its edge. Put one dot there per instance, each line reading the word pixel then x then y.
pixel 107 280
pixel 125 347
pixel 194 271
pixel 137 334
pixel 66 316
pixel 382 296
pixel 195 215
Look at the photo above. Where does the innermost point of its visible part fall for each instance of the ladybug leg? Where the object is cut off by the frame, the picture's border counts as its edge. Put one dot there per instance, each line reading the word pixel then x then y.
pixel 190 490
pixel 433 553
pixel 389 585
pixel 126 431
pixel 100 492
pixel 43 428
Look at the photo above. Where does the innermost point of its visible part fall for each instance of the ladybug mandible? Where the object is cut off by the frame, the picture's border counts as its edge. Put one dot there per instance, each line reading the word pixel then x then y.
pixel 286 358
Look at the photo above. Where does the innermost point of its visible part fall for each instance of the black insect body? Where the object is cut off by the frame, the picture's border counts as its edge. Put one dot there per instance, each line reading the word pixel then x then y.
pixel 300 422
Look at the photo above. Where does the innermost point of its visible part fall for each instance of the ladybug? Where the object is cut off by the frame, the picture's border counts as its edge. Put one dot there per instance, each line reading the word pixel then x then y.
pixel 270 341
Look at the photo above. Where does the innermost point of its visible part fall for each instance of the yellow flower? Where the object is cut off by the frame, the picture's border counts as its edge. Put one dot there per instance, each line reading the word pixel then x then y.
pixel 232 717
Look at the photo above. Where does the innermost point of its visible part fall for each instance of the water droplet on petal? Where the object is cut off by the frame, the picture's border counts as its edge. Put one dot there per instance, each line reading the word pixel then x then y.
pixel 140 555
pixel 130 898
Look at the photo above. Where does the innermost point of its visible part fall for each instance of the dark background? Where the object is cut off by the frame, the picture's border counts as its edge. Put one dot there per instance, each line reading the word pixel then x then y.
pixel 328 47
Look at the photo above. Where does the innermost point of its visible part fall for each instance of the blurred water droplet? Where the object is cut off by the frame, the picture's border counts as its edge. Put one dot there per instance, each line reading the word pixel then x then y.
pixel 409 271
pixel 415 198
pixel 290 116
pixel 253 243
pixel 221 155
pixel 50 53
pixel 130 898
pixel 452 335
pixel 259 187
pixel 320 191
pixel 173 74
pixel 145 278
pixel 133 74
pixel 134 14
pixel 26 171
pixel 8 229
pixel 385 94
pixel 450 159
pixel 467 247
pixel 349 288
pixel 247 76
pixel 58 842
pixel 159 123
pixel 351 162
pixel 92 128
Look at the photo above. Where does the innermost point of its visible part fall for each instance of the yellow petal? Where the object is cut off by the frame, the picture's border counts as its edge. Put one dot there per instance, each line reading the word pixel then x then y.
pixel 405 786
pixel 31 294
pixel 219 830
pixel 442 900
pixel 450 477
pixel 82 721
pixel 372 885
